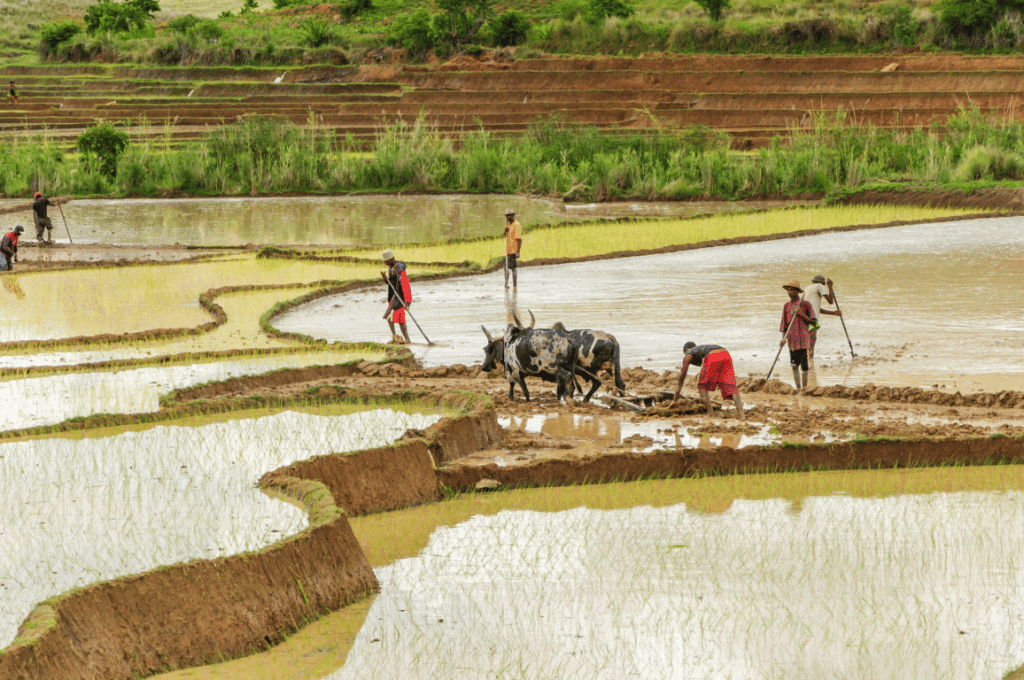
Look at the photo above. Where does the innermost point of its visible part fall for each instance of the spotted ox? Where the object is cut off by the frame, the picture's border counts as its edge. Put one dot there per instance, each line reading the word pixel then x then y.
pixel 595 349
pixel 545 353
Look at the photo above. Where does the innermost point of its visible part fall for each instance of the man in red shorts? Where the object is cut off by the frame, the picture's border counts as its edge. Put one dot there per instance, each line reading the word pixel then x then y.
pixel 399 295
pixel 797 318
pixel 716 372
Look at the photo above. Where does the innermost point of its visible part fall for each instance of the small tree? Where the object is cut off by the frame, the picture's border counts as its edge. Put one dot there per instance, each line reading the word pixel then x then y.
pixel 967 18
pixel 107 15
pixel 599 10
pixel 102 144
pixel 509 28
pixel 714 8
pixel 413 32
pixel 52 35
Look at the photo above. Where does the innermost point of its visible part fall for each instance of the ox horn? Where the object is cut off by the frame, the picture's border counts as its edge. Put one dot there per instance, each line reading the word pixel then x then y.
pixel 489 338
pixel 533 320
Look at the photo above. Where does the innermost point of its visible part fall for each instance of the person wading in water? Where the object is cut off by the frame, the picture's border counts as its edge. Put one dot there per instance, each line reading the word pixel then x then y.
pixel 399 295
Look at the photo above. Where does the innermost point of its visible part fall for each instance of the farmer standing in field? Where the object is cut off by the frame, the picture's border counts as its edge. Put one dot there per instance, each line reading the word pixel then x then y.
pixel 12 93
pixel 42 221
pixel 399 295
pixel 813 294
pixel 797 318
pixel 9 248
pixel 716 372
pixel 513 244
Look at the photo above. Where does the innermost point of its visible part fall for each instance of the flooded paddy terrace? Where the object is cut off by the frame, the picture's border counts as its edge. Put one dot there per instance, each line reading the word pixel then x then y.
pixel 681 584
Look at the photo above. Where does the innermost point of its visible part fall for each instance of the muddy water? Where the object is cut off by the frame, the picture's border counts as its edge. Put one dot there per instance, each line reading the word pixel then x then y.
pixel 332 220
pixel 649 435
pixel 931 304
pixel 32 402
pixel 78 511
pixel 925 586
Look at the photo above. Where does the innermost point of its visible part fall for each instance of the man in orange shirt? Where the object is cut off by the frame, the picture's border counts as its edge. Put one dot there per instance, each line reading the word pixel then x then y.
pixel 513 244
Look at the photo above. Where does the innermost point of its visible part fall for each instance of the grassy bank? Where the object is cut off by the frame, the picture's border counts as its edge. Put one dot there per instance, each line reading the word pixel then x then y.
pixel 552 158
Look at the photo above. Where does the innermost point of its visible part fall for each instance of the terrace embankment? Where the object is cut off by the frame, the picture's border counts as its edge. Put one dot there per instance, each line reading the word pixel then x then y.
pixel 191 613
pixel 750 98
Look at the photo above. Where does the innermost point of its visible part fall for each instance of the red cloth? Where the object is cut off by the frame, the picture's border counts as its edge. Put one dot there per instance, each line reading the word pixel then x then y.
pixel 398 316
pixel 717 373
pixel 798 337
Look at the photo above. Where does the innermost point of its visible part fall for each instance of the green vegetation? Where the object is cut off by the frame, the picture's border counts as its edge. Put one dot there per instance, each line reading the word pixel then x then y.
pixel 552 158
pixel 249 35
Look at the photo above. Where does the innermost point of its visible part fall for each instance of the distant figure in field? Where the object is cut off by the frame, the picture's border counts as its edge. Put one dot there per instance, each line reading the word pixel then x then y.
pixel 42 221
pixel 513 244
pixel 797 318
pixel 716 372
pixel 820 288
pixel 399 295
pixel 9 248
pixel 12 93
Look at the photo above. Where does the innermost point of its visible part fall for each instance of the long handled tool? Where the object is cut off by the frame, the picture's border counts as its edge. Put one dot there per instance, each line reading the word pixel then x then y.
pixel 783 344
pixel 836 298
pixel 69 231
pixel 387 281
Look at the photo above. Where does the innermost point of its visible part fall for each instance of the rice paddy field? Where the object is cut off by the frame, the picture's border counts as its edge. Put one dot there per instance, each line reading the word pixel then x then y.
pixel 858 574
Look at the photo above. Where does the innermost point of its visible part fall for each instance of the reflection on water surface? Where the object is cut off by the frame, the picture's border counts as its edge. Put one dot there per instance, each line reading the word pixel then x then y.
pixel 928 586
pixel 78 511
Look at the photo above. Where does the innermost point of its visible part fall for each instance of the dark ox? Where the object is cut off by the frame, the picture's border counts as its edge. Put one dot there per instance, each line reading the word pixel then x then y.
pixel 545 353
pixel 595 349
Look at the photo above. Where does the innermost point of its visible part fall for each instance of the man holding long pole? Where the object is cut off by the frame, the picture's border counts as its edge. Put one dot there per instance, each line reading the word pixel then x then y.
pixel 513 244
pixel 797 317
pixel 399 294
pixel 820 288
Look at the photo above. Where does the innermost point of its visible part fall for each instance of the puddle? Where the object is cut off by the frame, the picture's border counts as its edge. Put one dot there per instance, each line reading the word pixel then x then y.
pixel 898 587
pixel 32 402
pixel 80 511
pixel 650 435
pixel 913 298
pixel 338 220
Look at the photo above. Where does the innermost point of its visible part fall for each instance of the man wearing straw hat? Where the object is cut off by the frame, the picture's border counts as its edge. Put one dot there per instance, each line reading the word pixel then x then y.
pixel 399 295
pixel 797 317
pixel 819 288
pixel 513 244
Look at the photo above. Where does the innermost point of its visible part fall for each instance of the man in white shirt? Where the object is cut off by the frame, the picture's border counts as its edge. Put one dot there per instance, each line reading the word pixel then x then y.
pixel 820 288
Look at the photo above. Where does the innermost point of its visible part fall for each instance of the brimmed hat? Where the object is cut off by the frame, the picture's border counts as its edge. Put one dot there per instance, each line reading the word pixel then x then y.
pixel 18 229
pixel 818 278
pixel 509 211
pixel 388 254
pixel 795 285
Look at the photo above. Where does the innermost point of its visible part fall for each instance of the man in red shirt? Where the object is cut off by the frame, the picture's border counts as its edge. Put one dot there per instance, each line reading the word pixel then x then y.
pixel 9 248
pixel 399 294
pixel 797 316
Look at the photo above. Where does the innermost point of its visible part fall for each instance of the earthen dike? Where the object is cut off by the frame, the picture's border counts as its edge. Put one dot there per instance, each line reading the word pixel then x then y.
pixel 752 98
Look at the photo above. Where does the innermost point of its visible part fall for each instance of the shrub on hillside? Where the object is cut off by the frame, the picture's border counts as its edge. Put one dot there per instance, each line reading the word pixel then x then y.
pixel 509 28
pixel 897 25
pixel 969 18
pixel 989 163
pixel 52 35
pixel 107 15
pixel 599 10
pixel 352 8
pixel 317 31
pixel 101 145
pixel 414 32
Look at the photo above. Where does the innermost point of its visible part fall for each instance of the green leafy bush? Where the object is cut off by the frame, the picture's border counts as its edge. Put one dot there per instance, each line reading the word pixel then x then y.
pixel 107 15
pixel 901 26
pixel 968 18
pixel 509 28
pixel 184 23
pixel 101 145
pixel 599 10
pixel 52 35
pixel 414 32
pixel 352 8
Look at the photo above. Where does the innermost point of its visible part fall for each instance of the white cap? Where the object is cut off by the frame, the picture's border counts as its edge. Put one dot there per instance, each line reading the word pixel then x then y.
pixel 388 254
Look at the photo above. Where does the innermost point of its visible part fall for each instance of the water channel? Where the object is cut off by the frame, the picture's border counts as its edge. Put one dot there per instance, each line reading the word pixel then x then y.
pixel 927 304
pixel 909 586
pixel 79 511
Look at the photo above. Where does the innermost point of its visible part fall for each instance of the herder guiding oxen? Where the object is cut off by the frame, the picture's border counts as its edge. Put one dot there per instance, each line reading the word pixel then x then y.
pixel 546 353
